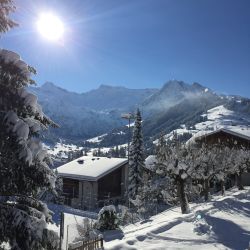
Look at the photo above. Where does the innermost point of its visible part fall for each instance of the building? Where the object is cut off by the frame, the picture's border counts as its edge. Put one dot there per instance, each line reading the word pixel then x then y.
pixel 90 181
pixel 232 137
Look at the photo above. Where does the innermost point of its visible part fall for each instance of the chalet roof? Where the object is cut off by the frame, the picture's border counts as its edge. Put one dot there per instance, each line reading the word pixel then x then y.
pixel 243 133
pixel 90 168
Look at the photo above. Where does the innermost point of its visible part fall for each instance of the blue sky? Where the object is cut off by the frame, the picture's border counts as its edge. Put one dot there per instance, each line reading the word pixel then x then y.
pixel 138 43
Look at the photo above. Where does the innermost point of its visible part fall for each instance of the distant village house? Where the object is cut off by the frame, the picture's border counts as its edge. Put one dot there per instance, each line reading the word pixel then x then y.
pixel 231 137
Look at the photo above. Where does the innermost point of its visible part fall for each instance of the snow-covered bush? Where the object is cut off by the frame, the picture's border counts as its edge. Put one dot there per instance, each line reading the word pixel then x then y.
pixel 124 215
pixel 107 219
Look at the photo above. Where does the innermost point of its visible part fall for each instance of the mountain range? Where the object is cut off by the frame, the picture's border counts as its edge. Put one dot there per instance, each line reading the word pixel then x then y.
pixel 86 115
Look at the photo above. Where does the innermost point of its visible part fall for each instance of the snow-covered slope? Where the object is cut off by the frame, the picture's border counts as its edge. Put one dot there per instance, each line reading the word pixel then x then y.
pixel 97 112
pixel 172 93
pixel 216 118
pixel 81 116
pixel 223 223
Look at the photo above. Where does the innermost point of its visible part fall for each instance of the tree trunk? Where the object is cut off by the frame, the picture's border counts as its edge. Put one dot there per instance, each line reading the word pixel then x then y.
pixel 223 188
pixel 206 189
pixel 239 181
pixel 183 196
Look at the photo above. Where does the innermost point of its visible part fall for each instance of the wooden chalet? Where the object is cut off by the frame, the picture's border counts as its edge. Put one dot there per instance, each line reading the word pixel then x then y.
pixel 90 181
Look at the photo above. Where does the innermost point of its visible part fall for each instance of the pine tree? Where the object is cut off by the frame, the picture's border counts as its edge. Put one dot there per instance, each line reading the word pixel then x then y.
pixel 136 158
pixel 24 169
pixel 6 7
pixel 122 152
pixel 116 152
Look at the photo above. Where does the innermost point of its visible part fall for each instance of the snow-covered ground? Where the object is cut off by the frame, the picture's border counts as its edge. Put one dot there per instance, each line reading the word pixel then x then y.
pixel 61 149
pixel 223 223
pixel 106 149
pixel 96 139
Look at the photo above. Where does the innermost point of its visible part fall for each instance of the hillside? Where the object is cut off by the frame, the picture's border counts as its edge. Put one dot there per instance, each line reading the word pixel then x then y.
pixel 98 112
pixel 89 114
pixel 209 225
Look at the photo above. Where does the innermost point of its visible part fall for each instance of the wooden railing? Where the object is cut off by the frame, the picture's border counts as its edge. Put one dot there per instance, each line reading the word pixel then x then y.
pixel 93 244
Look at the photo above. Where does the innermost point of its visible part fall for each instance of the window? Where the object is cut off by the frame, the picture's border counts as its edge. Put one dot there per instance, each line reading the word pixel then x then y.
pixel 71 188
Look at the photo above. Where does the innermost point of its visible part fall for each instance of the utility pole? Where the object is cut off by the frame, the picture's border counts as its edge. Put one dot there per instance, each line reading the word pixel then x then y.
pixel 129 117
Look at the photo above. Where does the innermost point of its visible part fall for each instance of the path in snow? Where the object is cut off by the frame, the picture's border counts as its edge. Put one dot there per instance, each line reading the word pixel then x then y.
pixel 223 223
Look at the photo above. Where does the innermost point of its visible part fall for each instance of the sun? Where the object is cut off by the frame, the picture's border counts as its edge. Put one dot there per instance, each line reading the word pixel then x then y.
pixel 50 26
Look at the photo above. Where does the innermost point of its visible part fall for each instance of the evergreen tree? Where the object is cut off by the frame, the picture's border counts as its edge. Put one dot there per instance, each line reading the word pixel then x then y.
pixel 24 162
pixel 122 152
pixel 136 158
pixel 6 7
pixel 116 152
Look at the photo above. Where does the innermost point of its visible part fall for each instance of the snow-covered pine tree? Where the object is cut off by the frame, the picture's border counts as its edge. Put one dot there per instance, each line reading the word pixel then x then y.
pixel 24 162
pixel 136 158
pixel 6 23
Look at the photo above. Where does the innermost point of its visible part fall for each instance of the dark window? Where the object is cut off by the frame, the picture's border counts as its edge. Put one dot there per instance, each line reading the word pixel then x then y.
pixel 110 185
pixel 71 188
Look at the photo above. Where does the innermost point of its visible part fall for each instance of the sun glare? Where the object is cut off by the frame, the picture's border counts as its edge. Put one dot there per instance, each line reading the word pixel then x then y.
pixel 50 27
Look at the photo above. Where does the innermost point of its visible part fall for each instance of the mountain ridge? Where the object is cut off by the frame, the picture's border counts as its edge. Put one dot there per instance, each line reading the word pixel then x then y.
pixel 98 111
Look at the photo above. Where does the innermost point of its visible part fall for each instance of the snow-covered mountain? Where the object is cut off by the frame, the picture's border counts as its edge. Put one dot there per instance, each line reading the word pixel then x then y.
pixel 98 112
pixel 81 116
pixel 173 93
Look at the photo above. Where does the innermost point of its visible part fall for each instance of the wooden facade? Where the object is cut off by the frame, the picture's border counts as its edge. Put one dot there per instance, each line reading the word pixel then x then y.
pixel 225 137
pixel 230 139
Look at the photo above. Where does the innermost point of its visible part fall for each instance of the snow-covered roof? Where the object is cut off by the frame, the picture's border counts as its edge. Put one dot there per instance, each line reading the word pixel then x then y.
pixel 150 162
pixel 236 131
pixel 90 168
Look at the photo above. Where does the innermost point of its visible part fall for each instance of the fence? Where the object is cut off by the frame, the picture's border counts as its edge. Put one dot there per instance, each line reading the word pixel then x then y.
pixel 92 244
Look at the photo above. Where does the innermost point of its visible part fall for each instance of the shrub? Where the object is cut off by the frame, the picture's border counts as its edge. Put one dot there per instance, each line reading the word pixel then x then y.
pixel 107 219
